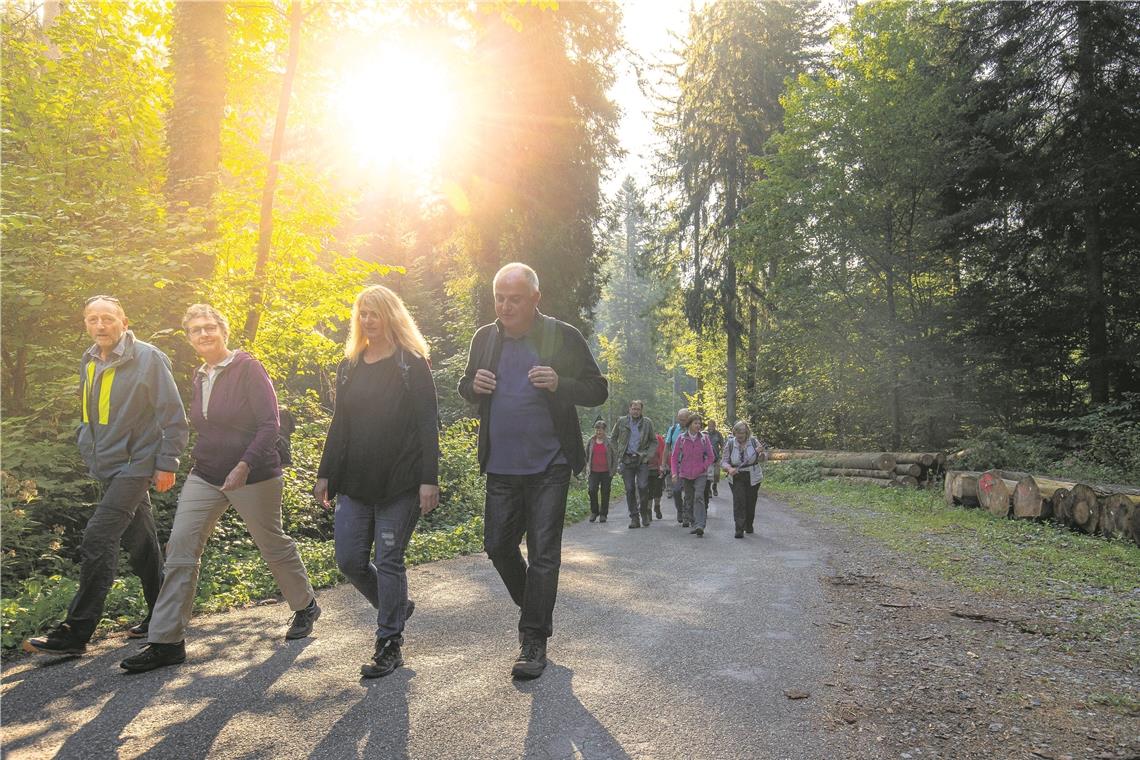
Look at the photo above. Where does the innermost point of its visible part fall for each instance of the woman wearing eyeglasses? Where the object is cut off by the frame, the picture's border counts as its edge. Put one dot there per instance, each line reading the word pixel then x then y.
pixel 236 464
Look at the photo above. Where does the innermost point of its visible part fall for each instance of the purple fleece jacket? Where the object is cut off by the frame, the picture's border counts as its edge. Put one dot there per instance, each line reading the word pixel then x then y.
pixel 242 426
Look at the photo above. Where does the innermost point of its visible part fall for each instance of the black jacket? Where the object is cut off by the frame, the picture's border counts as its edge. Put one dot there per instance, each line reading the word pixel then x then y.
pixel 415 402
pixel 580 382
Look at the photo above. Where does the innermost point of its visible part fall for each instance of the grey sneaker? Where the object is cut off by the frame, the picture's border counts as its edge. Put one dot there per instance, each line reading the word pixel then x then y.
pixel 155 656
pixel 531 660
pixel 386 659
pixel 303 620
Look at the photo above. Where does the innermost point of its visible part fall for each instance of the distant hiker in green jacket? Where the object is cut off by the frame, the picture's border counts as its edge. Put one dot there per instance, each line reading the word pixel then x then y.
pixel 134 429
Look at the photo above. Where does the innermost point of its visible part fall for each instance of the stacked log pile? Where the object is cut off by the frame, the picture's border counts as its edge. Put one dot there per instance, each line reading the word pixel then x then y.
pixel 908 468
pixel 1107 510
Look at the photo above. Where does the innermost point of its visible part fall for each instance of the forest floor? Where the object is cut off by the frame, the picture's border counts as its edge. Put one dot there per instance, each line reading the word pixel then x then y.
pixel 933 667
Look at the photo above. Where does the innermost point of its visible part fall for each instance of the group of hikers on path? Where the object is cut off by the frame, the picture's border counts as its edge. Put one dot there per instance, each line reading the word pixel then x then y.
pixel 526 372
pixel 686 458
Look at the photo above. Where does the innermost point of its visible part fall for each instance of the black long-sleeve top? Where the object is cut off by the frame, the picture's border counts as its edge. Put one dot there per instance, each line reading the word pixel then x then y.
pixel 384 436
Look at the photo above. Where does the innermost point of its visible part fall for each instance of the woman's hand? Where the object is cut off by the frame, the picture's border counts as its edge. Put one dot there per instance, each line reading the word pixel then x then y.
pixel 429 498
pixel 237 477
pixel 321 492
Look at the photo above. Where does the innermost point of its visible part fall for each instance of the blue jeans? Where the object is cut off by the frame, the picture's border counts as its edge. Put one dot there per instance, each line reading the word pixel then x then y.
pixel 534 505
pixel 384 583
pixel 122 516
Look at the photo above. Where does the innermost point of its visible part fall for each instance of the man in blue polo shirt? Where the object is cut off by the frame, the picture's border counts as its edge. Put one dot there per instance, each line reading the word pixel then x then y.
pixel 528 372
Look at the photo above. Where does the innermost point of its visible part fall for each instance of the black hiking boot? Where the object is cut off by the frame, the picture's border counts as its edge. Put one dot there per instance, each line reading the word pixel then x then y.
pixel 531 660
pixel 155 656
pixel 139 630
pixel 386 659
pixel 634 522
pixel 60 641
pixel 602 518
pixel 303 620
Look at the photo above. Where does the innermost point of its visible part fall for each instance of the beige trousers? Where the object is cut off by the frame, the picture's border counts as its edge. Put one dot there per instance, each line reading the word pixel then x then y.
pixel 200 506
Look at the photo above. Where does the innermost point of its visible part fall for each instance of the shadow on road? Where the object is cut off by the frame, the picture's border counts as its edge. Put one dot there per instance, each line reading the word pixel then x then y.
pixel 382 714
pixel 194 738
pixel 560 725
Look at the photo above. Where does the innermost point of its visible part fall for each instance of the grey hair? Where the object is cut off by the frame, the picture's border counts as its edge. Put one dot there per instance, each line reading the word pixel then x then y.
pixel 515 266
pixel 200 310
pixel 745 425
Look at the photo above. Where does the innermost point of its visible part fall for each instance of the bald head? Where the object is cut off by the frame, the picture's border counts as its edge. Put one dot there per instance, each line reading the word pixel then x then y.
pixel 105 321
pixel 516 298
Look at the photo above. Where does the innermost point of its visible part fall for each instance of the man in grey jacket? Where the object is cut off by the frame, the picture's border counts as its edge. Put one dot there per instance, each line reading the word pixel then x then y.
pixel 134 429
pixel 634 440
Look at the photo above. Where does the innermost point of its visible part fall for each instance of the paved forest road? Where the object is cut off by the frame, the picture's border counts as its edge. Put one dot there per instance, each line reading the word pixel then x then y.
pixel 665 646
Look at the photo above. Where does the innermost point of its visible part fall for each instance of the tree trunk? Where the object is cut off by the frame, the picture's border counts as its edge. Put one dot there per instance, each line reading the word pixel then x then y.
pixel 1062 506
pixel 855 472
pixel 1116 515
pixel 915 457
pixel 994 492
pixel 198 42
pixel 265 232
pixel 1088 84
pixel 961 487
pixel 1085 508
pixel 875 461
pixel 1029 503
pixel 913 470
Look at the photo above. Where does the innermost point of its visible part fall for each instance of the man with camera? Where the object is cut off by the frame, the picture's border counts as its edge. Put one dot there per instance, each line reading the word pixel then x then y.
pixel 634 440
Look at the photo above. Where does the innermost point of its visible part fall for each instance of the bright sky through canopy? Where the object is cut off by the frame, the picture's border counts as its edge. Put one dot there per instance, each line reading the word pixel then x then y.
pixel 396 110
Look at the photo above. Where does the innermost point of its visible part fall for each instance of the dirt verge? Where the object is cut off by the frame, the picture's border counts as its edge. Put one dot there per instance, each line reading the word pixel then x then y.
pixel 929 669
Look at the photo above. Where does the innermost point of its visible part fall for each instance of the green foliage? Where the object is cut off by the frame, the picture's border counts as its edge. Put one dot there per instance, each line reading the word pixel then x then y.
pixel 996 448
pixel 1102 446
pixel 792 472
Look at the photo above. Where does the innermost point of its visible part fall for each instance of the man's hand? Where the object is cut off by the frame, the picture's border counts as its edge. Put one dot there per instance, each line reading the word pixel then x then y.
pixel 237 477
pixel 163 481
pixel 429 498
pixel 484 382
pixel 543 378
pixel 321 492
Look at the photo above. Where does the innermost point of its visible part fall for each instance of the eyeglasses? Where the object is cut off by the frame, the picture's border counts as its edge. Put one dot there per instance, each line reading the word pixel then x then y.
pixel 209 329
pixel 93 299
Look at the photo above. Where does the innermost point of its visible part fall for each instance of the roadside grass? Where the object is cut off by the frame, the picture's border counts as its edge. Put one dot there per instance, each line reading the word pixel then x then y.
pixel 983 554
pixel 236 577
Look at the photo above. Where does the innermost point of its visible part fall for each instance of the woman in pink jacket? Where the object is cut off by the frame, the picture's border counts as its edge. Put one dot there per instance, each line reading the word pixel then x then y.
pixel 692 455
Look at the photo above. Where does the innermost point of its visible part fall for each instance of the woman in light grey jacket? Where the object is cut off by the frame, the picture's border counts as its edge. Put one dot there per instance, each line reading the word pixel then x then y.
pixel 741 460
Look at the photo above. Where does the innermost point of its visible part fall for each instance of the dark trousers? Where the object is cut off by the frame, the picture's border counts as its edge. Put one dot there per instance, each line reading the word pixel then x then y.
pixel 600 481
pixel 636 480
pixel 122 517
pixel 678 499
pixel 744 501
pixel 534 505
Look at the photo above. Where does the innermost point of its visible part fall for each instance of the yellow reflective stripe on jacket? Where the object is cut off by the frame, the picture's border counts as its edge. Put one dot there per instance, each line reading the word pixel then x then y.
pixel 87 389
pixel 104 393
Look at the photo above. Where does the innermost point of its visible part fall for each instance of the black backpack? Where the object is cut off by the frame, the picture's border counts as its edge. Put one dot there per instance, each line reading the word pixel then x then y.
pixel 284 436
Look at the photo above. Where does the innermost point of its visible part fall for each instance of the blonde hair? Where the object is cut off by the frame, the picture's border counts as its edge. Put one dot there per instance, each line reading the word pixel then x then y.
pixel 742 424
pixel 202 310
pixel 401 329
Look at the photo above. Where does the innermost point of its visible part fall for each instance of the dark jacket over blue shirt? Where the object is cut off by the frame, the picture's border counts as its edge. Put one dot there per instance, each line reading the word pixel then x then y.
pixel 580 383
